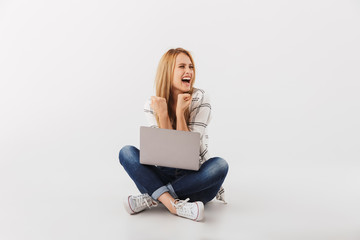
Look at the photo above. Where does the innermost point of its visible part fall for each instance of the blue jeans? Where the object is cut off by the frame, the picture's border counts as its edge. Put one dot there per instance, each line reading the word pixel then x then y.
pixel 201 185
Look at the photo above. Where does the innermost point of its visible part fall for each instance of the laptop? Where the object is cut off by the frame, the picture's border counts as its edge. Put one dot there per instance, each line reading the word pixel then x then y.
pixel 169 148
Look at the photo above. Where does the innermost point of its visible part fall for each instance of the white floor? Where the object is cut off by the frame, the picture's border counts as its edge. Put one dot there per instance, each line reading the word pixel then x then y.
pixel 264 203
pixel 283 79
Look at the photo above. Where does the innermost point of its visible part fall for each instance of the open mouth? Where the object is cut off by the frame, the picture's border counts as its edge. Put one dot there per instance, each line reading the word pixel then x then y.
pixel 186 79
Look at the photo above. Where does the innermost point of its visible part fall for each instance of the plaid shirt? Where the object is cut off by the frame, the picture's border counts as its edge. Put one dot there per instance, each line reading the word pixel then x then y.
pixel 200 116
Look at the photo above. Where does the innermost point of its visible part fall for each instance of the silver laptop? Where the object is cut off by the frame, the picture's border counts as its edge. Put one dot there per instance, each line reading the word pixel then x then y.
pixel 169 148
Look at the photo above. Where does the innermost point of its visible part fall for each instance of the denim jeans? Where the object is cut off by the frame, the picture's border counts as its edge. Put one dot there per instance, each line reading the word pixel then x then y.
pixel 201 185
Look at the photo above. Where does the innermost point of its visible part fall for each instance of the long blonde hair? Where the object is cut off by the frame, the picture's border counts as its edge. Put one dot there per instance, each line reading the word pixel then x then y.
pixel 164 78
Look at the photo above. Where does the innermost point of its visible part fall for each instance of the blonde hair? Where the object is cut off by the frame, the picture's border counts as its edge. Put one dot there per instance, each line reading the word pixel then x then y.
pixel 164 78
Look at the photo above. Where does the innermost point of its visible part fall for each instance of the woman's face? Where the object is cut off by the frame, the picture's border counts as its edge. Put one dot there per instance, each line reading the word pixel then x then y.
pixel 183 73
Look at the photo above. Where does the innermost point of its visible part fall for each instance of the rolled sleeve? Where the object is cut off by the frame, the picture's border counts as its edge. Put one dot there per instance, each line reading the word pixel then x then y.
pixel 200 115
pixel 150 115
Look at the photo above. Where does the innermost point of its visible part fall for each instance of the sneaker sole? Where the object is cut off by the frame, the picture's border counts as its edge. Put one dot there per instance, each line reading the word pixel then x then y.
pixel 127 206
pixel 201 211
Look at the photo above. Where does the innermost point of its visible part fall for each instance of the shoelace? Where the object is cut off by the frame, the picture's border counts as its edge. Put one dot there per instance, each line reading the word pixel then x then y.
pixel 179 205
pixel 144 199
pixel 221 195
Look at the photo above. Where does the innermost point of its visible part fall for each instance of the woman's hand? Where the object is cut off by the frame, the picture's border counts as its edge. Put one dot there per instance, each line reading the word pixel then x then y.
pixel 159 105
pixel 183 103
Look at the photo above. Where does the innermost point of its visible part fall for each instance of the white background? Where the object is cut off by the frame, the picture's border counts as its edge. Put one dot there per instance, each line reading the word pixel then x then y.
pixel 284 81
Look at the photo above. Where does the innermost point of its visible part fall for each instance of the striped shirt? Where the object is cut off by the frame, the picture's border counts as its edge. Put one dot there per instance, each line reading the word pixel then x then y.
pixel 200 116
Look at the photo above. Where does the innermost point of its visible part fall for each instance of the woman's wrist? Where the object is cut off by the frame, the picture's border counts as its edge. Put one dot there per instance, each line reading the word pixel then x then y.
pixel 179 113
pixel 181 122
pixel 163 115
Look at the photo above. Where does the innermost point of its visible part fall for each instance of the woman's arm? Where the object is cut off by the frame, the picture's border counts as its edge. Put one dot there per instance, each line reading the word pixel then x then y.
pixel 165 121
pixel 181 122
pixel 160 107
pixel 183 103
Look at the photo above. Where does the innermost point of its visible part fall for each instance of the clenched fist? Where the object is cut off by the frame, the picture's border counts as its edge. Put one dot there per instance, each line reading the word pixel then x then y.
pixel 159 105
pixel 183 103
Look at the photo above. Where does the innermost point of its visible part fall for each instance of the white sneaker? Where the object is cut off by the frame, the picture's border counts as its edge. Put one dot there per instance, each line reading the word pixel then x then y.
pixel 191 210
pixel 221 195
pixel 135 204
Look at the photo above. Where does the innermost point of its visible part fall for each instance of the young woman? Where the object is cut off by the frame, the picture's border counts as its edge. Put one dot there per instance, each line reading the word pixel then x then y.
pixel 179 106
